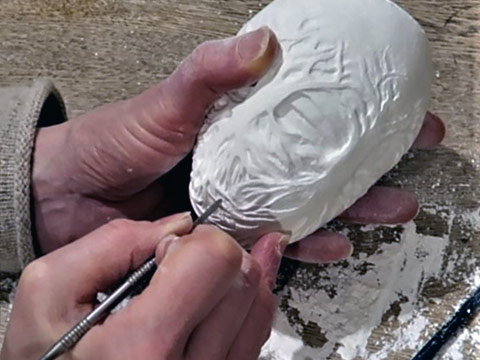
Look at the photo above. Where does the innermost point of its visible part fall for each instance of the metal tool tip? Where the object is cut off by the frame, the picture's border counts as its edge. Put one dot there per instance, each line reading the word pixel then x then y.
pixel 214 207
pixel 207 213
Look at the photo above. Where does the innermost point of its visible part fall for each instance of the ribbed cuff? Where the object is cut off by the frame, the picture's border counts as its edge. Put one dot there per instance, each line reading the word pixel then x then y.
pixel 22 110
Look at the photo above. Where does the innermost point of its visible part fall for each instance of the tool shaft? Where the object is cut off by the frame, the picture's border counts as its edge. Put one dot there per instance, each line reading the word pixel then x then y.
pixel 465 314
pixel 69 340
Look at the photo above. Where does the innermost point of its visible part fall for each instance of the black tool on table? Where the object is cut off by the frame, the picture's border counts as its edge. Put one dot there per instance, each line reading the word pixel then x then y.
pixel 461 318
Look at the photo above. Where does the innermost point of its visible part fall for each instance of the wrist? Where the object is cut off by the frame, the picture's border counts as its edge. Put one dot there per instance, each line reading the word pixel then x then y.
pixel 49 182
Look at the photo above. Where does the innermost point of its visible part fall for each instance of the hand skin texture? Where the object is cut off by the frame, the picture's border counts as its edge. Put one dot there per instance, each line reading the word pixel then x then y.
pixel 109 163
pixel 208 300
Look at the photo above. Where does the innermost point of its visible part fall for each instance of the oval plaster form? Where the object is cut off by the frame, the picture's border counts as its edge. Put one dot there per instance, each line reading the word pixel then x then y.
pixel 341 106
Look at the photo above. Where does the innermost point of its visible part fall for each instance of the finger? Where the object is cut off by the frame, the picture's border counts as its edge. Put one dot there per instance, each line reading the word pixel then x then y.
pixel 96 261
pixel 152 203
pixel 257 326
pixel 143 203
pixel 321 247
pixel 383 205
pixel 95 213
pixel 195 274
pixel 268 251
pixel 431 134
pixel 149 134
pixel 213 338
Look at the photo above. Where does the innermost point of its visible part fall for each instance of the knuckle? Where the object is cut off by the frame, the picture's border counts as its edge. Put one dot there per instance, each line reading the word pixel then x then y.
pixel 198 69
pixel 121 228
pixel 127 233
pixel 251 271
pixel 35 275
pixel 197 58
pixel 121 223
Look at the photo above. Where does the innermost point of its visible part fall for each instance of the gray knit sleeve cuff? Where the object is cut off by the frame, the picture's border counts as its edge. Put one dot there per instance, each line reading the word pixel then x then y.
pixel 22 110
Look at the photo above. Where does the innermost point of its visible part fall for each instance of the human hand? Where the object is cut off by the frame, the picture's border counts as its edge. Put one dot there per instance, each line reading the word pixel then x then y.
pixel 381 206
pixel 112 159
pixel 108 163
pixel 208 299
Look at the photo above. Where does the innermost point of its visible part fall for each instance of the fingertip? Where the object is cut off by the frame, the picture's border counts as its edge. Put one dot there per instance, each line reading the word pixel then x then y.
pixel 408 208
pixel 257 50
pixel 383 205
pixel 183 219
pixel 177 224
pixel 432 133
pixel 321 247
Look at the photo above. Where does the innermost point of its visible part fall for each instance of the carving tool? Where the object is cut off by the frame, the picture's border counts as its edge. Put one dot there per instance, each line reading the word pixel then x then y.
pixel 461 318
pixel 69 340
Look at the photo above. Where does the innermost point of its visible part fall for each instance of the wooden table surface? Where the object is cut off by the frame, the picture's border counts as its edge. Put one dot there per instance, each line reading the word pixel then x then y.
pixel 99 51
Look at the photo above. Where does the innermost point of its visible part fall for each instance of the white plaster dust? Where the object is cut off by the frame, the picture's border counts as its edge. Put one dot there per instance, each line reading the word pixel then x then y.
pixel 396 276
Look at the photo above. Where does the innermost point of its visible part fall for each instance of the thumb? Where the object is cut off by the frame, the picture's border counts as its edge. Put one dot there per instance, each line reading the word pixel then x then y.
pixel 131 143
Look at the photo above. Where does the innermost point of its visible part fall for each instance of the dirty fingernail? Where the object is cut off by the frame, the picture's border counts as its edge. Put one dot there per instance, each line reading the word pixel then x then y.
pixel 253 45
pixel 180 219
pixel 183 217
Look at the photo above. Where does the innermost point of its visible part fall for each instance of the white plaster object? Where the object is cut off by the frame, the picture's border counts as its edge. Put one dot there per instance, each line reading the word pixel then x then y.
pixel 341 106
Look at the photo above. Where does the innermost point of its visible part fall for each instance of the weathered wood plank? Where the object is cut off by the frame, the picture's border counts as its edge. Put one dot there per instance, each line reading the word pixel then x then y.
pixel 103 50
